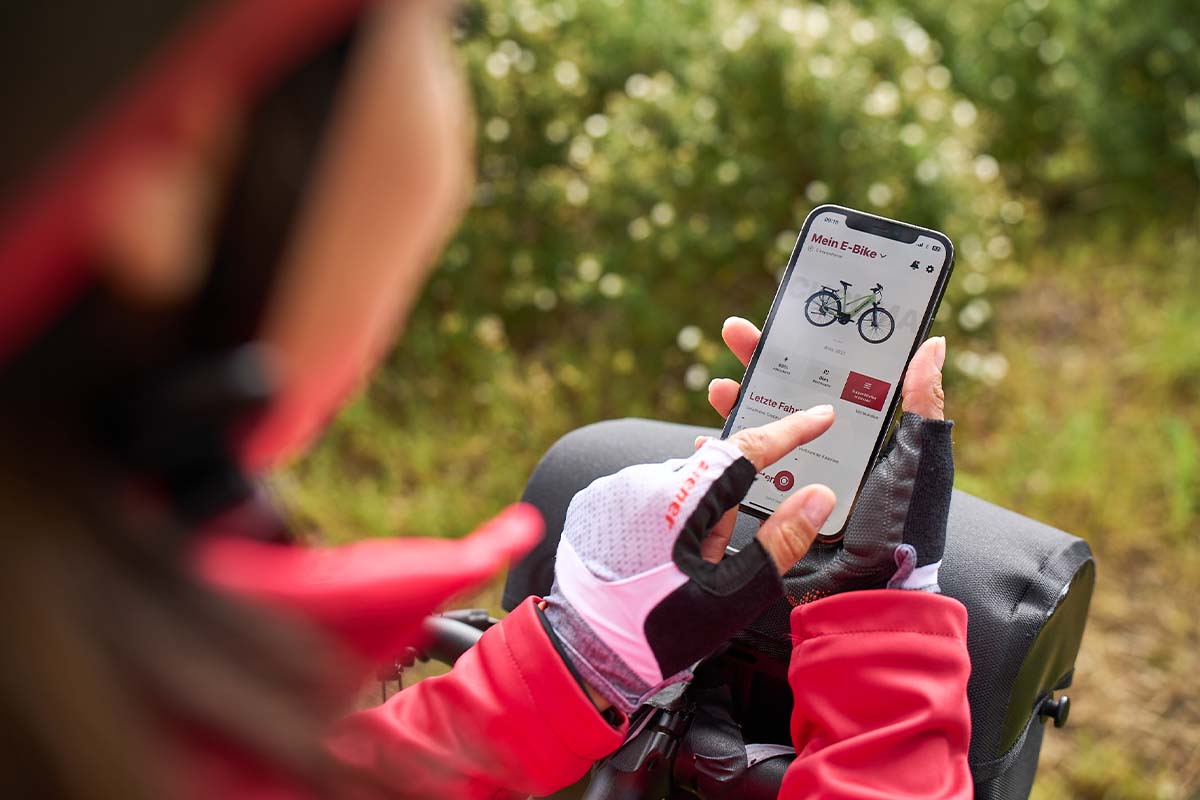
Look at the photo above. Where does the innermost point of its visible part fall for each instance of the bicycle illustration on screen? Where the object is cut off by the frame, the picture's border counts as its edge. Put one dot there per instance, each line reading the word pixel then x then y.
pixel 875 323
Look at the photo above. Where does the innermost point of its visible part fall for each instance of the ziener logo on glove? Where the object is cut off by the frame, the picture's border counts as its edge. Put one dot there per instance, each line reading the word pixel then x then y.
pixel 682 495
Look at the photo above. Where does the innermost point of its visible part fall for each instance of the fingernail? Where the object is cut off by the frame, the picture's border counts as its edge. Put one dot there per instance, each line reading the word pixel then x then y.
pixel 817 507
pixel 712 383
pixel 940 351
pixel 820 411
pixel 729 320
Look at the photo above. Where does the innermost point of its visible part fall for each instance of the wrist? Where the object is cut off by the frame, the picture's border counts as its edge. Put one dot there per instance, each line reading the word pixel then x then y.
pixel 601 703
pixel 909 576
pixel 598 699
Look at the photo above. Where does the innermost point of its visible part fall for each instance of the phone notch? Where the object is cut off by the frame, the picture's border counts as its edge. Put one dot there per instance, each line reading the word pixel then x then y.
pixel 882 227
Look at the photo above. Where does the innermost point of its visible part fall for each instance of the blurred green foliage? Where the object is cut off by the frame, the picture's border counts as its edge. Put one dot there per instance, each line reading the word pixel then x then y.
pixel 643 170
pixel 652 173
pixel 1094 106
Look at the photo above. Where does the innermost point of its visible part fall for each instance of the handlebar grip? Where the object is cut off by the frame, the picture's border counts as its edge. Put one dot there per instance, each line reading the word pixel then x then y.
pixel 715 781
pixel 762 781
pixel 612 784
pixel 449 638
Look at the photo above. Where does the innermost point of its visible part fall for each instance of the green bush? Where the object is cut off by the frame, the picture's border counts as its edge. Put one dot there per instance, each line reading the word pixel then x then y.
pixel 643 171
pixel 645 167
pixel 1096 105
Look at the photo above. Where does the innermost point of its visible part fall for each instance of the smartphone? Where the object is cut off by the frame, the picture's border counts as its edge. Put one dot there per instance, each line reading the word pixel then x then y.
pixel 857 299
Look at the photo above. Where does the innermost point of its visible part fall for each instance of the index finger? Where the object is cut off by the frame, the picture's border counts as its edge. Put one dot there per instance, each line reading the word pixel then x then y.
pixel 768 443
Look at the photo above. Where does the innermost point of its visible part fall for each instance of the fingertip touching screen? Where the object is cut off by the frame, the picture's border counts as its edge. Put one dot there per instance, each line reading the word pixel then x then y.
pixel 849 313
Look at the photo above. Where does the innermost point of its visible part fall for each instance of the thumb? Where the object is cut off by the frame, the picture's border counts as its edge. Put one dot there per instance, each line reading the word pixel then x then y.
pixel 922 392
pixel 790 531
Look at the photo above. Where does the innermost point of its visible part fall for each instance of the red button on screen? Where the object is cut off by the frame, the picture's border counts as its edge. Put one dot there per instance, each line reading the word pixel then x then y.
pixel 865 390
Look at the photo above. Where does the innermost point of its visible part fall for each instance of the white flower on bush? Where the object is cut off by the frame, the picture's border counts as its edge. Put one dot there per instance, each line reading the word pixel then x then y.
pixel 974 314
pixel 689 338
pixel 576 192
pixel 696 377
pixel 883 101
pixel 880 194
pixel 566 73
pixel 611 285
pixel 596 125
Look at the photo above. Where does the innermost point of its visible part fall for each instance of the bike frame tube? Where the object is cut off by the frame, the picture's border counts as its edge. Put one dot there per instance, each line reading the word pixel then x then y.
pixel 861 303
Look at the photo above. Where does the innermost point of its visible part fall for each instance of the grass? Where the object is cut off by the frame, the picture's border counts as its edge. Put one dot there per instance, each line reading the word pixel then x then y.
pixel 1095 429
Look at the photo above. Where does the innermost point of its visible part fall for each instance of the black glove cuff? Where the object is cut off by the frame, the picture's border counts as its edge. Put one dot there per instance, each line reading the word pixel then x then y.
pixel 929 508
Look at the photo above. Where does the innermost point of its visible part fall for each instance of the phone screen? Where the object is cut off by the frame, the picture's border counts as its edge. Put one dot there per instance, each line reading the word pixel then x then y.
pixel 850 312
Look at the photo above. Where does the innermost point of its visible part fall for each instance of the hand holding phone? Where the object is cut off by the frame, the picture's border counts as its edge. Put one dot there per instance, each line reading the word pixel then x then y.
pixel 858 295
pixel 896 535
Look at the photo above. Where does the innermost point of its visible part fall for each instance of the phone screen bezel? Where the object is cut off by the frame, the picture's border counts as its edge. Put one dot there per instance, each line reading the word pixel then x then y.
pixel 879 226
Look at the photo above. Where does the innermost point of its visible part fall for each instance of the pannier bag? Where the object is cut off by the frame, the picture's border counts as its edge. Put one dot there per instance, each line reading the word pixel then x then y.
pixel 1026 587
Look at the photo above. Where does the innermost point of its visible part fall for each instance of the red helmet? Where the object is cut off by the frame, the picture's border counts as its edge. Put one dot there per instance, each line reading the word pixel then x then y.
pixel 48 199
pixel 167 405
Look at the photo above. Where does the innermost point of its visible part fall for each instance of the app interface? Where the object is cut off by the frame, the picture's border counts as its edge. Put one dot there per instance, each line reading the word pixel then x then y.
pixel 847 319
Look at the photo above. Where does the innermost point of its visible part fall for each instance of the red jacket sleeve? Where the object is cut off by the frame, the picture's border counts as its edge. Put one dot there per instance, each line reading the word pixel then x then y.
pixel 880 681
pixel 508 721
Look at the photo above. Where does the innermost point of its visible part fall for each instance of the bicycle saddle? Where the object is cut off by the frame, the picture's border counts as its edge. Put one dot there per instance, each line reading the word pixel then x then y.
pixel 846 285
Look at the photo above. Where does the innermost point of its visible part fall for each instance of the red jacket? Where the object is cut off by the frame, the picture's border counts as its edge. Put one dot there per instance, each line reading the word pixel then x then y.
pixel 879 680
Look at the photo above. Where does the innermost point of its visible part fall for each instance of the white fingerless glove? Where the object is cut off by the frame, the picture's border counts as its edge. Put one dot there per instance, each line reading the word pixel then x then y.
pixel 634 605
